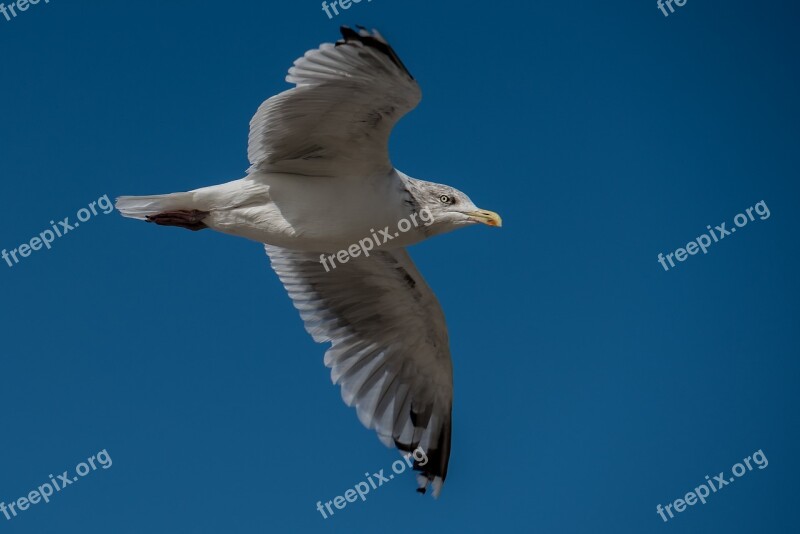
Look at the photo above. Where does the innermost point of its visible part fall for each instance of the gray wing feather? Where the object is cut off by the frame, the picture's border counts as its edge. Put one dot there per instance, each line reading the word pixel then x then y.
pixel 338 118
pixel 389 348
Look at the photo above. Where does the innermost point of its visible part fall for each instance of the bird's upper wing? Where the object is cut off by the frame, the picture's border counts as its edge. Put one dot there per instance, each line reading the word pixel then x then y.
pixel 389 352
pixel 337 120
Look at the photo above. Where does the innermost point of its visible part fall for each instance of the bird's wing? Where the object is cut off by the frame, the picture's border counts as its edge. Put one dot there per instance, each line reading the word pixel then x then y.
pixel 389 352
pixel 337 119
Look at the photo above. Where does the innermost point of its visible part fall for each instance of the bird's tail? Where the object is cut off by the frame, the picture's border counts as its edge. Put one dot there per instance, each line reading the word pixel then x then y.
pixel 143 207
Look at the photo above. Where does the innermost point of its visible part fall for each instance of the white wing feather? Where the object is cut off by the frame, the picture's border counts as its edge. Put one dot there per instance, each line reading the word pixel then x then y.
pixel 338 118
pixel 389 352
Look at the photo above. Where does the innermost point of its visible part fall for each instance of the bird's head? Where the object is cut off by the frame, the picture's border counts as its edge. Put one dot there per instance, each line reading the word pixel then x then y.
pixel 446 208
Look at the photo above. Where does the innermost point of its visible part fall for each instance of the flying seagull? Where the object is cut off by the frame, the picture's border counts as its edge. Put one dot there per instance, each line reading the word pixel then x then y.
pixel 320 181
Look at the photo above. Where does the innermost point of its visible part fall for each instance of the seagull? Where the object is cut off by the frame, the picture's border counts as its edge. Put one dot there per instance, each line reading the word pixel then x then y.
pixel 320 183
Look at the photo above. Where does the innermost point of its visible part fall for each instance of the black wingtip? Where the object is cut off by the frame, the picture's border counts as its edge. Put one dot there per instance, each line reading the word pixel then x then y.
pixel 372 40
pixel 348 33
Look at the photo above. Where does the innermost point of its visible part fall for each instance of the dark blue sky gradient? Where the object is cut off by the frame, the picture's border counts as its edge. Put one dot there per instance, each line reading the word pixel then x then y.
pixel 590 384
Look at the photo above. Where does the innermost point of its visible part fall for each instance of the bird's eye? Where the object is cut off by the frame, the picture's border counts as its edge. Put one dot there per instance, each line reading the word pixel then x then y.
pixel 444 199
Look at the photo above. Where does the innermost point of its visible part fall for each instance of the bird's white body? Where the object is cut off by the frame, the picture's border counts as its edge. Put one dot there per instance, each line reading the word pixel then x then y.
pixel 267 208
pixel 289 211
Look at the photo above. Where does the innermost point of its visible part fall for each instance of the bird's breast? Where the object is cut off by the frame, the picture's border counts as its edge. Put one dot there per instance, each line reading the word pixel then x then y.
pixel 322 214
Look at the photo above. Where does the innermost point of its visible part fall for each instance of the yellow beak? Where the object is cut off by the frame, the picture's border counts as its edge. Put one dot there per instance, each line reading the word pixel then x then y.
pixel 487 217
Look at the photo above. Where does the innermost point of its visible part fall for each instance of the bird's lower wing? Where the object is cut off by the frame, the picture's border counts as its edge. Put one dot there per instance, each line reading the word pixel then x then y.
pixel 389 351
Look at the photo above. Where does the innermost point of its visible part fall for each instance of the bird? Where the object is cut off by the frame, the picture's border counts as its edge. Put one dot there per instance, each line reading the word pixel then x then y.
pixel 320 186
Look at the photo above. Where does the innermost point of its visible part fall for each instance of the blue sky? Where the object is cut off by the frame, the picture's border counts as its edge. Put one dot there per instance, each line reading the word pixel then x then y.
pixel 591 385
